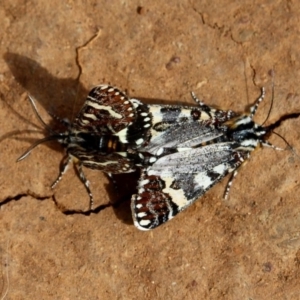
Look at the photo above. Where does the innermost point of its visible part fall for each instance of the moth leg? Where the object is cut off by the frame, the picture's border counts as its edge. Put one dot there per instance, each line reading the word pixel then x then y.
pixel 86 183
pixel 208 109
pixel 114 182
pixel 254 107
pixel 241 160
pixel 200 103
pixel 62 170
pixel 229 184
pixel 268 144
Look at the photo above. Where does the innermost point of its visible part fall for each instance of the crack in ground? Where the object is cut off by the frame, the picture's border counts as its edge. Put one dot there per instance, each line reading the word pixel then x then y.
pixel 222 29
pixel 199 13
pixel 79 211
pixel 88 212
pixel 20 196
pixel 254 74
pixel 77 61
pixel 56 203
pixel 77 50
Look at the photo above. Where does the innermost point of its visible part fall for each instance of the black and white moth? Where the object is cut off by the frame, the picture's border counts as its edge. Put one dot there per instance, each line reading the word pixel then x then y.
pixel 194 154
pixel 104 135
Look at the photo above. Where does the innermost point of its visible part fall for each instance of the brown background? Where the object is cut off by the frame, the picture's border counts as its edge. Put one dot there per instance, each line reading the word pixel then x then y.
pixel 247 247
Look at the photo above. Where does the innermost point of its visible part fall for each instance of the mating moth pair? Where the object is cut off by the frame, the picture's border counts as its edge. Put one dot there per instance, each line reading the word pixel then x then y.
pixel 182 151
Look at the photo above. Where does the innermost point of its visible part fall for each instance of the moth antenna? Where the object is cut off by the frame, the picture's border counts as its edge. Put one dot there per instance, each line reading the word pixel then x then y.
pixel 272 98
pixel 31 99
pixel 64 121
pixel 46 139
pixel 287 143
pixel 54 135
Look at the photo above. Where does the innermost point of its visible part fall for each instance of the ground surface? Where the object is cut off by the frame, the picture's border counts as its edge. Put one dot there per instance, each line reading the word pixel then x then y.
pixel 247 247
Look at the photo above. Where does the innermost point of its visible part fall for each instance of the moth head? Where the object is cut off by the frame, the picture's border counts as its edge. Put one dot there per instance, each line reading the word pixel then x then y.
pixel 62 138
pixel 263 131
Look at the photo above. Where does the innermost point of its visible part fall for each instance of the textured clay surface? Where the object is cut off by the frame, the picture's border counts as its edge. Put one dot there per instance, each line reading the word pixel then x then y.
pixel 247 247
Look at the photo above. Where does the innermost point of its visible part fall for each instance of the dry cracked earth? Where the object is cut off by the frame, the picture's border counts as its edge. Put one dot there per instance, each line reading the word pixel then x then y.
pixel 247 247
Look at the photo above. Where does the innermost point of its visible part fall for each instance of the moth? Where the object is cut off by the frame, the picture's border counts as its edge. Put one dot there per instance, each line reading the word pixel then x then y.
pixel 193 154
pixel 103 136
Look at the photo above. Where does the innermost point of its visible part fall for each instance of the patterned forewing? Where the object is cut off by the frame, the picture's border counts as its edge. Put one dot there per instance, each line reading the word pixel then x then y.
pixel 183 126
pixel 175 181
pixel 108 129
pixel 184 135
pixel 106 110
pixel 192 161
pixel 114 163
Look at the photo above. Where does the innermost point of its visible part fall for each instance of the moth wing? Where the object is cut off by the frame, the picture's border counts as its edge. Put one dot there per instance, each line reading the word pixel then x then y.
pixel 183 126
pixel 172 114
pixel 184 135
pixel 107 110
pixel 175 181
pixel 114 163
pixel 192 161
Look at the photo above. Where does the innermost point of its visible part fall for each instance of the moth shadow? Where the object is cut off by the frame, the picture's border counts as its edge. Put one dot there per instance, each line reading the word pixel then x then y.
pixel 120 189
pixel 62 97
